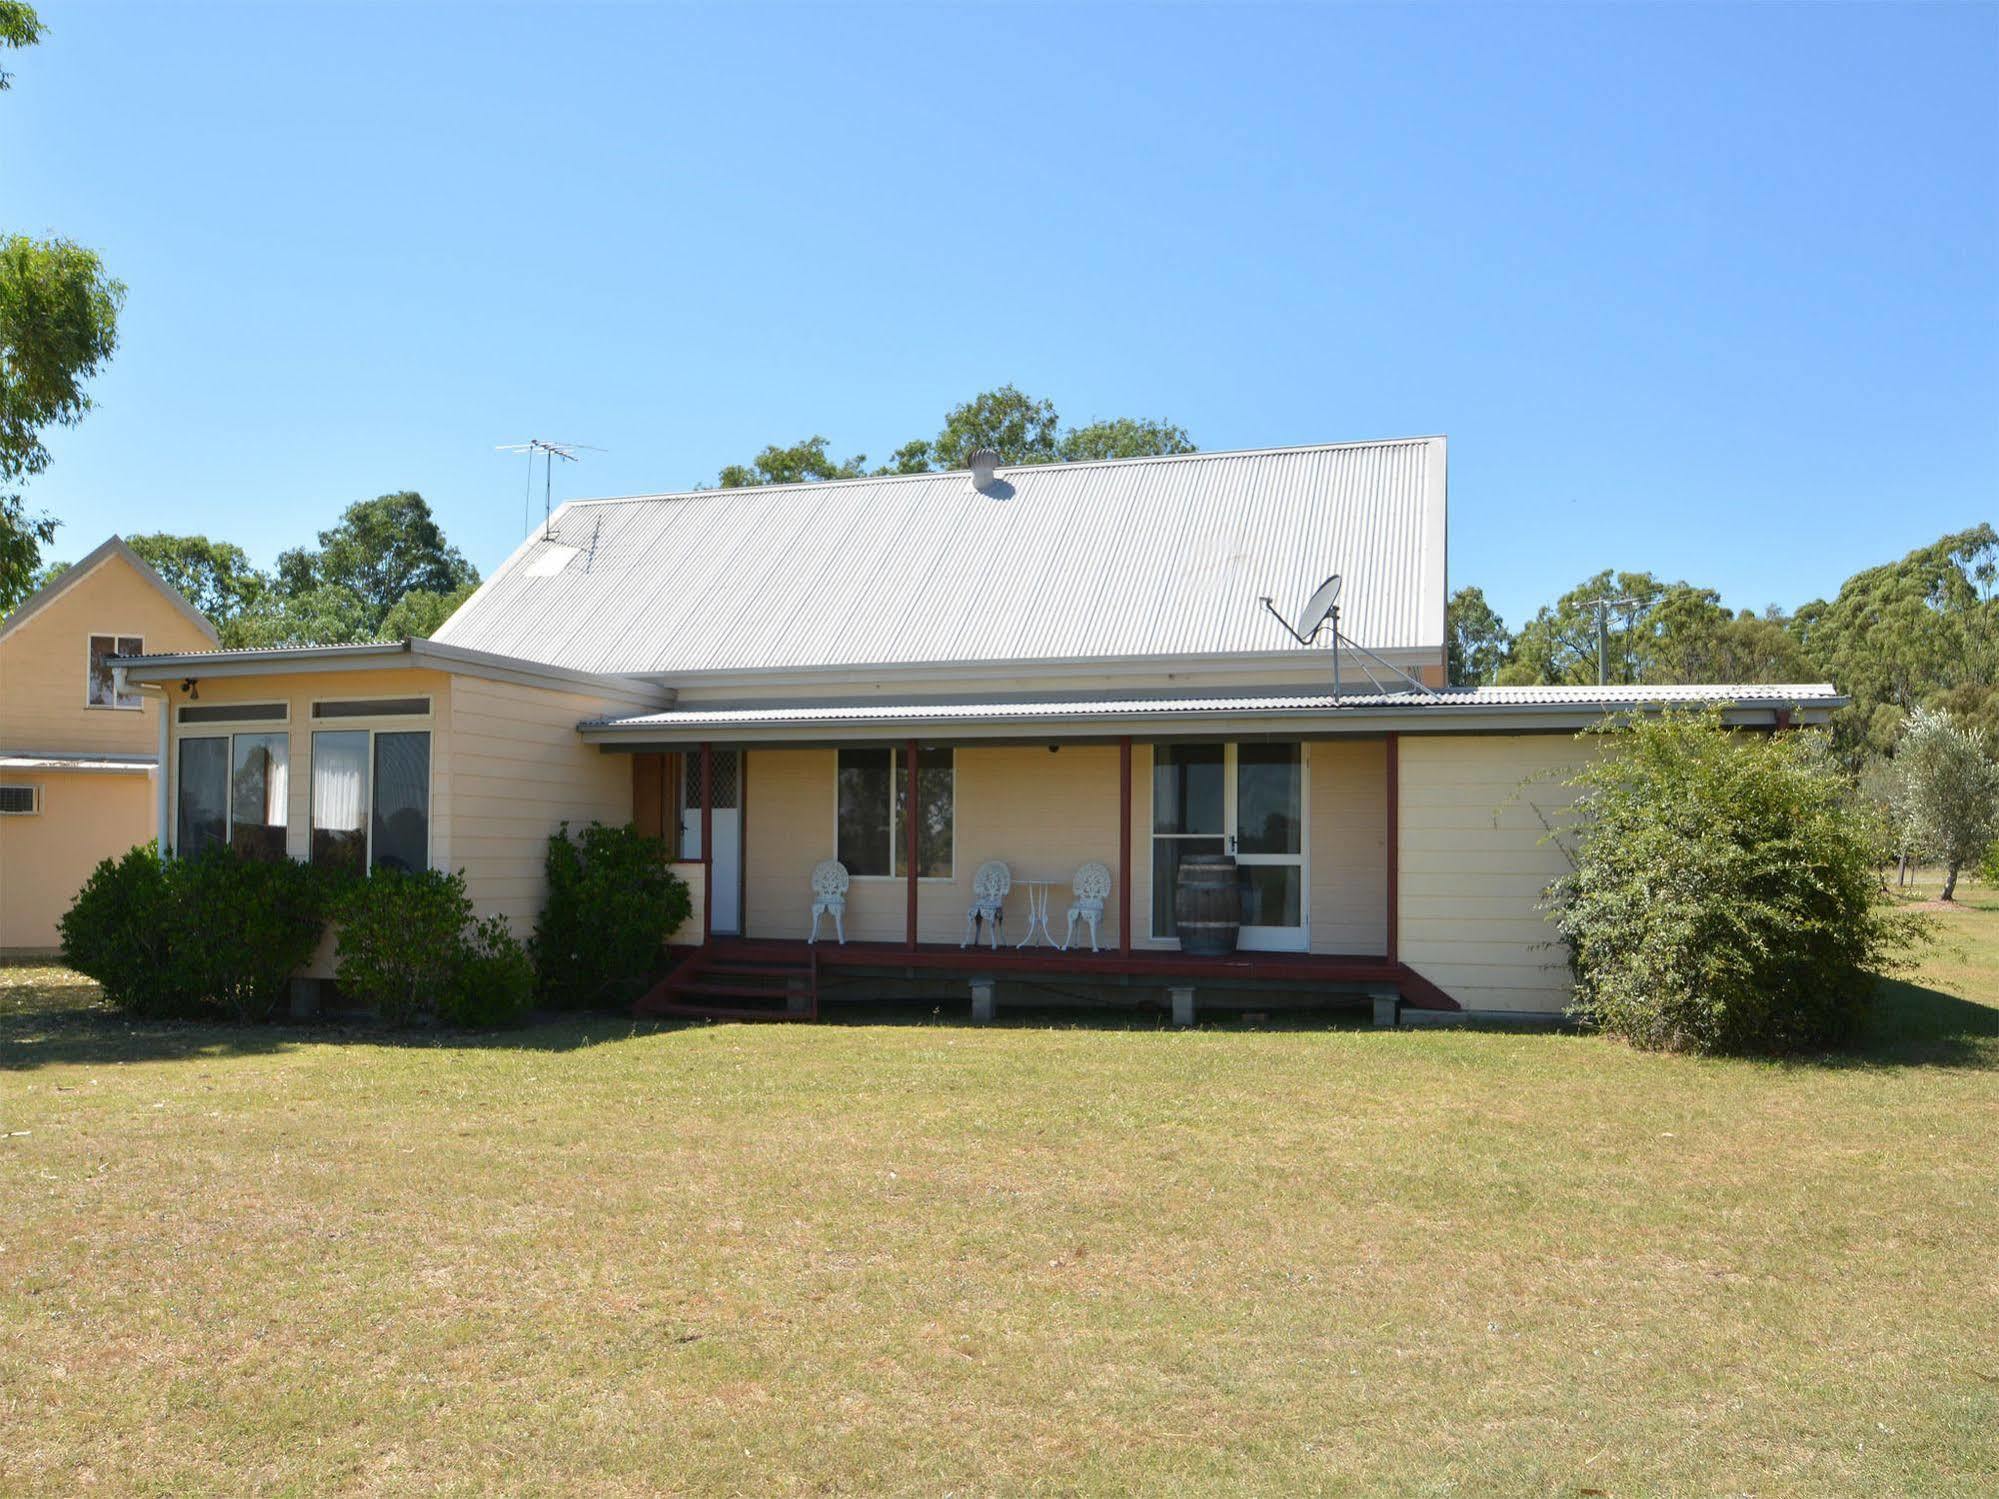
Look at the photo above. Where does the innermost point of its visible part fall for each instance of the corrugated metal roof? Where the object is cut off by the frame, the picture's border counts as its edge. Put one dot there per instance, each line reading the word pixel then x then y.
pixel 1130 557
pixel 1468 700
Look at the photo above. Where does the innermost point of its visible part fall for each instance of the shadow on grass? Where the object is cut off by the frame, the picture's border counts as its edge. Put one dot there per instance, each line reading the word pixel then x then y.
pixel 64 1021
pixel 1915 1026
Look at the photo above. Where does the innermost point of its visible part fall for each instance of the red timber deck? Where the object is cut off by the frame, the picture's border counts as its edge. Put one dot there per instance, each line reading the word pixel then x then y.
pixel 770 969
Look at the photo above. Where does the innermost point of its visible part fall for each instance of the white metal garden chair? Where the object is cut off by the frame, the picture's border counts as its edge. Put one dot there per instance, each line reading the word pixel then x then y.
pixel 1093 888
pixel 829 898
pixel 989 888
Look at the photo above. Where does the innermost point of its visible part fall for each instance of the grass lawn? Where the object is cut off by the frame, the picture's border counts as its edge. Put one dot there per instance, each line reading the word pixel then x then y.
pixel 931 1258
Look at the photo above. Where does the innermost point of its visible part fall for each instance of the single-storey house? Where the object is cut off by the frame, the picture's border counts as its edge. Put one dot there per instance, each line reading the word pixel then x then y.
pixel 78 752
pixel 1054 666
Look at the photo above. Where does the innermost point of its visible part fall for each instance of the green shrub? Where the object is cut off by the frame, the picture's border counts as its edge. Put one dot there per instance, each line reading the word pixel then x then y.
pixel 242 926
pixel 401 944
pixel 117 931
pixel 612 903
pixel 495 985
pixel 1723 895
pixel 175 938
pixel 411 949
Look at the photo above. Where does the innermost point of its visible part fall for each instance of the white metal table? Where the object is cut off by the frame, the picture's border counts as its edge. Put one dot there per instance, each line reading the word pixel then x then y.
pixel 1037 911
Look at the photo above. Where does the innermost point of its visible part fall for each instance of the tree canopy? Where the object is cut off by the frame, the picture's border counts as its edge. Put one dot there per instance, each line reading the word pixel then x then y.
pixel 382 549
pixel 216 577
pixel 58 326
pixel 1022 429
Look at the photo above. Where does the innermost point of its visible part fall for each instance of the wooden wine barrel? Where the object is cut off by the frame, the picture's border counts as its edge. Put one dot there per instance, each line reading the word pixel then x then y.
pixel 1207 907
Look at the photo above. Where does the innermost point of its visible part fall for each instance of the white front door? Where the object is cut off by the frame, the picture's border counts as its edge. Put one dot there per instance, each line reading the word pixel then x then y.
pixel 1248 800
pixel 725 816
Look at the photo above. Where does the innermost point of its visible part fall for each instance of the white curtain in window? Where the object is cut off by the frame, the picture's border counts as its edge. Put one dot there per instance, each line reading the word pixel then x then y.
pixel 339 781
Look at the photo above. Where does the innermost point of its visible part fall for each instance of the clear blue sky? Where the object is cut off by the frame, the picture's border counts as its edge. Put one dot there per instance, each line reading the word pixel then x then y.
pixel 1709 290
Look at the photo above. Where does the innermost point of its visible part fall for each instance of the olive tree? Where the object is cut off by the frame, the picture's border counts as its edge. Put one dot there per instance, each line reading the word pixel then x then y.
pixel 1948 788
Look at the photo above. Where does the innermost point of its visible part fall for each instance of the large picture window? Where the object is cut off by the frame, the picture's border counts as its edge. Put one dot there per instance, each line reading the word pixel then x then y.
pixel 873 803
pixel 101 691
pixel 370 799
pixel 233 791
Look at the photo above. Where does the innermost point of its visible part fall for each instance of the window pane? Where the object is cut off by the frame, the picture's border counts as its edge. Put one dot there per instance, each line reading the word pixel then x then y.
pixel 339 799
pixel 102 647
pixel 1166 856
pixel 203 820
pixel 402 801
pixel 934 792
pixel 258 788
pixel 1187 788
pixel 863 811
pixel 1270 798
pixel 1270 894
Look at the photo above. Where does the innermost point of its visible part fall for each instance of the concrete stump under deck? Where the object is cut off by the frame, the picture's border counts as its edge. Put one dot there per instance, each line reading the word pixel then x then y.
pixel 1182 996
pixel 983 1005
pixel 1387 1007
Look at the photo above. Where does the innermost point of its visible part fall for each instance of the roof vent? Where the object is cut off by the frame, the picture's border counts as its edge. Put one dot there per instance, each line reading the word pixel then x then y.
pixel 985 466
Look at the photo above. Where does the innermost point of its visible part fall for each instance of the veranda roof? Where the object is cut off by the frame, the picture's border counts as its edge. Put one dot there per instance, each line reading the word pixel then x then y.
pixel 1480 710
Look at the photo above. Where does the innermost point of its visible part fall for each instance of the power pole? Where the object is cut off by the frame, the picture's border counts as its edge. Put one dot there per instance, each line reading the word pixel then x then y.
pixel 1603 608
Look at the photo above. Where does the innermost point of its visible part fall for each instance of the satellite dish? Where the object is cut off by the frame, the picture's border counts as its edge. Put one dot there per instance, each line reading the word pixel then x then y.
pixel 1317 607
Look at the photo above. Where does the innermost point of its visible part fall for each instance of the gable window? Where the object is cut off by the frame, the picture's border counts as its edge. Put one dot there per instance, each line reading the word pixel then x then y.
pixel 371 799
pixel 872 803
pixel 233 792
pixel 102 691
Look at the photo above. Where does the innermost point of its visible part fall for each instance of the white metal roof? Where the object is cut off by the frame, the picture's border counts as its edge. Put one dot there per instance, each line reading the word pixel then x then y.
pixel 1145 557
pixel 1472 708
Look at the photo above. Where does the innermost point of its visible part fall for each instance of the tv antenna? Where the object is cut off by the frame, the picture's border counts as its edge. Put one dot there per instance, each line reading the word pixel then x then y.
pixel 550 451
pixel 1321 612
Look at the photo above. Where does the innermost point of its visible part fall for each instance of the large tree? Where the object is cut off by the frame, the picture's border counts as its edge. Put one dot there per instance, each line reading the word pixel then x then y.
pixel 382 549
pixel 1911 633
pixel 214 576
pixel 1476 639
pixel 1022 429
pixel 58 325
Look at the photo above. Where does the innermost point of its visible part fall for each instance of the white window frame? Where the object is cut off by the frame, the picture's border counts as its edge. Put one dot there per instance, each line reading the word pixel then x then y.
pixel 34 790
pixel 224 729
pixel 895 835
pixel 428 714
pixel 1228 836
pixel 138 704
pixel 228 733
pixel 204 728
pixel 406 723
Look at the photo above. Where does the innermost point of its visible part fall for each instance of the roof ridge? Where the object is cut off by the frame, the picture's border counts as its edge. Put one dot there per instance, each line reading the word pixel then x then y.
pixel 1061 465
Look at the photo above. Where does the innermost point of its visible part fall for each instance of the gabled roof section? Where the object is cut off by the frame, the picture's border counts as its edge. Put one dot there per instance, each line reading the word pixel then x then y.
pixel 84 566
pixel 1144 557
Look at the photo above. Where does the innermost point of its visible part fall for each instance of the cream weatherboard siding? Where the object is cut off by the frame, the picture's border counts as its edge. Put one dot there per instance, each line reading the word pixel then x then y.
pixel 1476 810
pixel 1043 814
pixel 45 665
pixel 45 857
pixel 1348 846
pixel 518 771
pixel 1046 814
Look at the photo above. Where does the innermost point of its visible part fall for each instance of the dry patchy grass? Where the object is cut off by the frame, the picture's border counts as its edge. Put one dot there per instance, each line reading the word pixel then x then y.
pixel 930 1259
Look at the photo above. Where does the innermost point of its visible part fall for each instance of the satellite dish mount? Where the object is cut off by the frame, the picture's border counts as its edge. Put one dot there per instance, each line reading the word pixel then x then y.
pixel 1322 612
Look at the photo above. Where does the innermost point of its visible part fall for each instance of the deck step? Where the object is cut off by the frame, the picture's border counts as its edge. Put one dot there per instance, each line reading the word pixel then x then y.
pixel 722 1012
pixel 731 991
pixel 733 966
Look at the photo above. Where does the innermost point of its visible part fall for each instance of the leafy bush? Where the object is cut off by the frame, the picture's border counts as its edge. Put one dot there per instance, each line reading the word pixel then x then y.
pixel 118 932
pixel 242 926
pixel 496 981
pixel 1723 895
pixel 612 903
pixel 176 937
pixel 411 949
